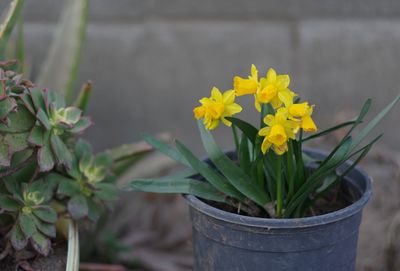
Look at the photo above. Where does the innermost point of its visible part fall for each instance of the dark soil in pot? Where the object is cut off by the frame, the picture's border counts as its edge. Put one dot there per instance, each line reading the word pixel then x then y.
pixel 57 261
pixel 337 198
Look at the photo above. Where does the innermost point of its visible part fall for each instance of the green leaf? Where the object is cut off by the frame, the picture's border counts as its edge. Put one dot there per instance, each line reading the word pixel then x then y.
pixel 61 152
pixel 45 213
pixel 18 239
pixel 17 141
pixel 6 106
pixel 244 155
pixel 27 101
pixel 54 98
pixel 81 147
pixel 103 160
pixel 338 157
pixel 167 150
pixel 211 175
pixel 13 187
pixel 330 130
pixel 173 185
pixel 44 120
pixel 84 96
pixel 77 207
pixel 68 187
pixel 36 136
pixel 19 122
pixel 45 158
pixel 45 228
pixel 60 67
pixel 371 125
pixel 106 191
pixel 249 130
pixel 38 99
pixel 9 204
pixel 27 224
pixel 95 210
pixel 19 46
pixel 41 243
pixel 8 23
pixel 128 151
pixel 5 155
pixel 81 126
pixel 239 179
pixel 73 114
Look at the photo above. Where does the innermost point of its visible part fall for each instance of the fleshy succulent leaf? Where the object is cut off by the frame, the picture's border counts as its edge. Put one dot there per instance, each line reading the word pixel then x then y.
pixel 43 118
pixel 45 158
pixel 81 125
pixel 36 136
pixel 5 155
pixel 68 187
pixel 6 106
pixel 17 141
pixel 38 99
pixel 95 210
pixel 27 224
pixel 106 191
pixel 61 152
pixel 45 213
pixel 19 122
pixel 82 146
pixel 77 207
pixel 8 203
pixel 18 239
pixel 40 243
pixel 47 229
pixel 28 103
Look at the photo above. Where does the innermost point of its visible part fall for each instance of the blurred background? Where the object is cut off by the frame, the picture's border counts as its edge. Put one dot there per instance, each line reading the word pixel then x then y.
pixel 151 61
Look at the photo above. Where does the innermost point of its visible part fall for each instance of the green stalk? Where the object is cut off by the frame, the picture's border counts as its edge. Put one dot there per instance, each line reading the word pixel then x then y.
pixel 299 162
pixel 290 175
pixel 236 139
pixel 279 187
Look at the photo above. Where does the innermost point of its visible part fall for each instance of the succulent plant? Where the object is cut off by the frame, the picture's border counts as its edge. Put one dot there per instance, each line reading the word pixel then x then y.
pixel 89 185
pixel 44 166
pixel 28 206
pixel 55 124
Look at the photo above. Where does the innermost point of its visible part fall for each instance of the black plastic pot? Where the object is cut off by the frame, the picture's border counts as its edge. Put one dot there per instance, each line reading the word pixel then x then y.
pixel 226 241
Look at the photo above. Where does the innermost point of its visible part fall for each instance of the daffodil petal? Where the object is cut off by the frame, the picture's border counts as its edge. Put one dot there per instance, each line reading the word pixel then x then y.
pixel 265 145
pixel 232 109
pixel 283 81
pixel 271 76
pixel 228 97
pixel 254 72
pixel 216 94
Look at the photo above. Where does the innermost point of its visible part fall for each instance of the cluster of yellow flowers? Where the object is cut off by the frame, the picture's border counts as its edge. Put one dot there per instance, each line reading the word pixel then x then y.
pixel 289 117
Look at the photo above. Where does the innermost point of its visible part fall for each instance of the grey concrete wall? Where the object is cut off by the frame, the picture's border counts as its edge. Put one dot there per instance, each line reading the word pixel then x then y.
pixel 152 60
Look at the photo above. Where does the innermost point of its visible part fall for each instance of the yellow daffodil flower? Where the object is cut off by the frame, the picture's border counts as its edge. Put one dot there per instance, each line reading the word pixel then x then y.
pixel 247 86
pixel 271 89
pixel 278 131
pixel 216 108
pixel 265 90
pixel 300 112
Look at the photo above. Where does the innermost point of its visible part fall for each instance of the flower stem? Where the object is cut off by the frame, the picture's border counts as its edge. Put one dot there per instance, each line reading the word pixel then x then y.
pixel 236 139
pixel 290 175
pixel 279 187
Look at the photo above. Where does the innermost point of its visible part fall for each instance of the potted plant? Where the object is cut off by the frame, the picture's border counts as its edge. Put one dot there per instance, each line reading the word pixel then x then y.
pixel 270 205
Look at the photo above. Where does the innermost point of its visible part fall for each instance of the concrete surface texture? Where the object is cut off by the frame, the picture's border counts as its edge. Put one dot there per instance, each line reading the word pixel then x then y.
pixel 150 61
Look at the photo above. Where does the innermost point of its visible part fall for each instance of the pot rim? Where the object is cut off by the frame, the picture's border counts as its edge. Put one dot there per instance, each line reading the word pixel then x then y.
pixel 286 223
